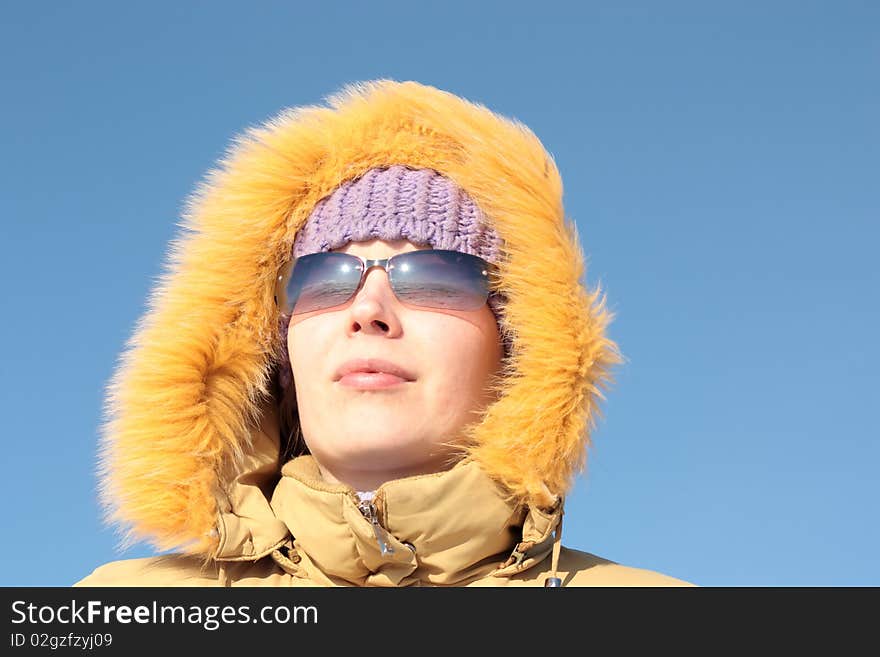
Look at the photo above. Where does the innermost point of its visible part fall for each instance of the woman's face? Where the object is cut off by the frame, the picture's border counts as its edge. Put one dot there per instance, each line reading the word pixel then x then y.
pixel 364 429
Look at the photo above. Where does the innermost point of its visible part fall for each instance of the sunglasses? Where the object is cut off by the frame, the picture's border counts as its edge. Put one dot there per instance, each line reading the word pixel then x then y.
pixel 431 278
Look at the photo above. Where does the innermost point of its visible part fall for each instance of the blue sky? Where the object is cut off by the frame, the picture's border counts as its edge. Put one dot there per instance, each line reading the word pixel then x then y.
pixel 720 160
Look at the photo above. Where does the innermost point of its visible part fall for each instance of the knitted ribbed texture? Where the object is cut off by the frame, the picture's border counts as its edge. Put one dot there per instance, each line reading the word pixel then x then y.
pixel 397 202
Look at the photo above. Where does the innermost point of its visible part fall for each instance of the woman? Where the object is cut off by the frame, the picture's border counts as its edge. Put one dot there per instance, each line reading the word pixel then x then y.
pixel 420 415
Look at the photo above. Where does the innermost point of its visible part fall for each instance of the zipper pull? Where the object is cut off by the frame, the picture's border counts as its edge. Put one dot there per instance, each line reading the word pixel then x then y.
pixel 368 509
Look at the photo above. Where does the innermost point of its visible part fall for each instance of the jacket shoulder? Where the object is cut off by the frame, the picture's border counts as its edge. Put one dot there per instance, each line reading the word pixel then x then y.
pixel 165 570
pixel 577 568
pixel 186 570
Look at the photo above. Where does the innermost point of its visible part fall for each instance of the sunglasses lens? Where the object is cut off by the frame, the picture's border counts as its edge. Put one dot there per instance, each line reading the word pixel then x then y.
pixel 322 280
pixel 440 279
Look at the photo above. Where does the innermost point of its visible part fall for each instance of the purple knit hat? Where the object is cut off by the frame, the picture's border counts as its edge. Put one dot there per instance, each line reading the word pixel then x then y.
pixel 393 203
pixel 397 202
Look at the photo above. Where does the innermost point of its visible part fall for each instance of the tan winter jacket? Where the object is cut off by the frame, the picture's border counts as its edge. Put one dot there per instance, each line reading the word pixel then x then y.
pixel 190 450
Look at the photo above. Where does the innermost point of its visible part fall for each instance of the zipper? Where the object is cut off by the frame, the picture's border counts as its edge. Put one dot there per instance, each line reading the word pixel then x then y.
pixel 368 509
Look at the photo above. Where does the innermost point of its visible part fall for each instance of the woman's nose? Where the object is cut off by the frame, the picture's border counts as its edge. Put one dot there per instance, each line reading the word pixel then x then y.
pixel 374 309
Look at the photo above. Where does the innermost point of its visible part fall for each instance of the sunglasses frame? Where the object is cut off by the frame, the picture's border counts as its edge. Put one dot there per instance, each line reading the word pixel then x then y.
pixel 489 271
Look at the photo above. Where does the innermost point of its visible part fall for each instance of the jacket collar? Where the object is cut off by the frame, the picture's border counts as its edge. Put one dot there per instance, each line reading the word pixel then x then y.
pixel 439 529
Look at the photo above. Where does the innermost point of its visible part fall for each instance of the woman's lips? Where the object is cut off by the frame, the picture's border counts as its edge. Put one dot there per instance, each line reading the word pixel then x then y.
pixel 371 380
pixel 372 374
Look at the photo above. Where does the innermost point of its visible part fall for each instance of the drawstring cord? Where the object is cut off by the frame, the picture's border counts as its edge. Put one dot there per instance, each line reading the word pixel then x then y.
pixel 223 575
pixel 553 580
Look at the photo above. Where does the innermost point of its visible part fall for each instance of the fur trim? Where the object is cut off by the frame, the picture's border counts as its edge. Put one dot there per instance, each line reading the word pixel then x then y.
pixel 189 388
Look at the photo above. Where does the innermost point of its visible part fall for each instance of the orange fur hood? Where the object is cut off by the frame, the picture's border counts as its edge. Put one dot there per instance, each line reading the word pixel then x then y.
pixel 190 444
